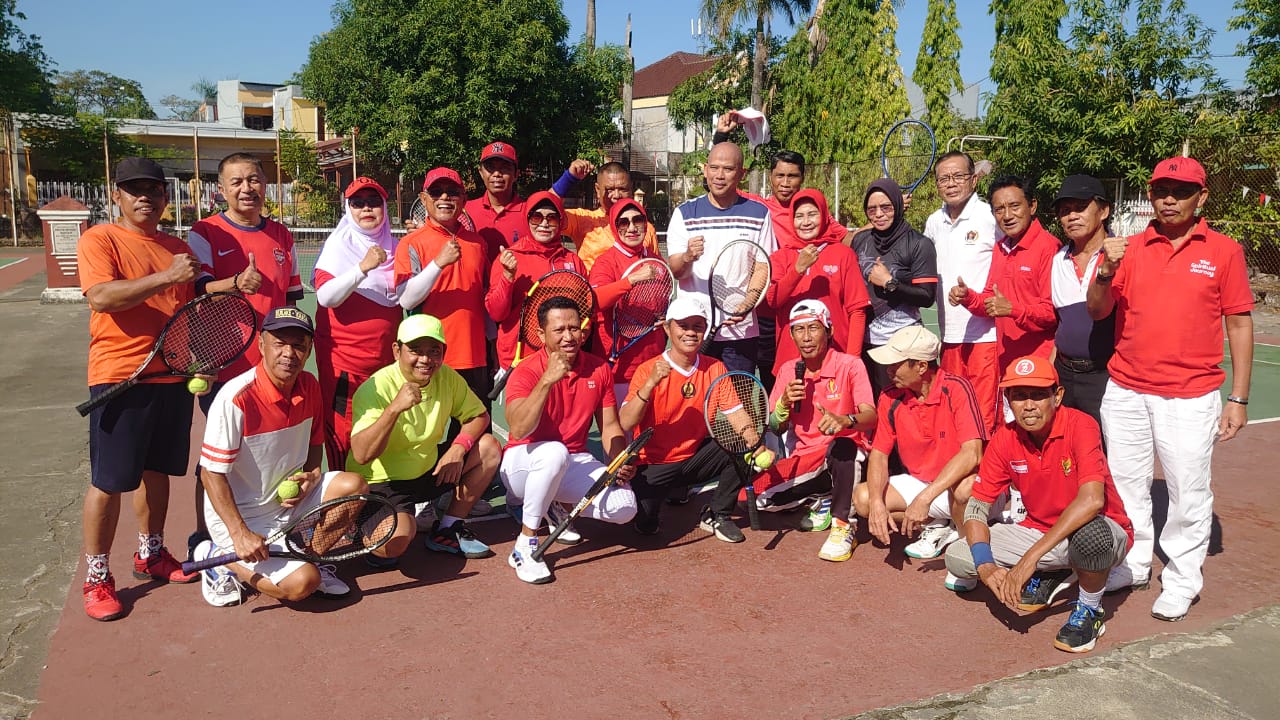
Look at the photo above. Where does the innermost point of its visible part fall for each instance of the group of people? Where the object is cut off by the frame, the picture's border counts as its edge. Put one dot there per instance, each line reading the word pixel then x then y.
pixel 1040 405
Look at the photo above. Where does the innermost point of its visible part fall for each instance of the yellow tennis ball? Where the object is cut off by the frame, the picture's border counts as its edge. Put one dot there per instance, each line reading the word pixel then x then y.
pixel 765 459
pixel 288 490
pixel 197 385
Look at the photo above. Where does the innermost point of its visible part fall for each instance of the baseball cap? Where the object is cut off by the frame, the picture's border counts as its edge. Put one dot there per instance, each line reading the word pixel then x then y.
pixel 364 183
pixel 499 150
pixel 687 307
pixel 138 168
pixel 913 342
pixel 288 317
pixel 416 327
pixel 1180 169
pixel 810 309
pixel 1030 371
pixel 441 173
pixel 1081 187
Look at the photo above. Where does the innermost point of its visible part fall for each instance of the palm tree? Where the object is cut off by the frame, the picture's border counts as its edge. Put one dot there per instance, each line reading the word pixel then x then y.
pixel 723 14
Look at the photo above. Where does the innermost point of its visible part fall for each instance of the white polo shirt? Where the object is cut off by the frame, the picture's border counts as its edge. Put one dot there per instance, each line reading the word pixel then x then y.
pixel 964 251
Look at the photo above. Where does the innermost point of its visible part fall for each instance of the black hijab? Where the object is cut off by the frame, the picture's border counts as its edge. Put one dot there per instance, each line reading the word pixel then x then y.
pixel 900 227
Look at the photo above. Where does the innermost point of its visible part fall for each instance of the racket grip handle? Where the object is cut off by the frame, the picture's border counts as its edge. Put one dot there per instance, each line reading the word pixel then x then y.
pixel 194 566
pixel 752 511
pixel 103 398
pixel 499 382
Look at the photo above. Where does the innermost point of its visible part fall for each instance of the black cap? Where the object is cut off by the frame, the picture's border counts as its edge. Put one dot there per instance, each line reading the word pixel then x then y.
pixel 136 168
pixel 288 317
pixel 1081 187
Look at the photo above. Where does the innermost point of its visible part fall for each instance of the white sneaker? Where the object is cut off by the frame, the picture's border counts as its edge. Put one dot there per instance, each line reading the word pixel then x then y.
pixel 330 585
pixel 1171 607
pixel 529 570
pixel 555 515
pixel 959 584
pixel 933 540
pixel 219 585
pixel 1121 578
pixel 424 516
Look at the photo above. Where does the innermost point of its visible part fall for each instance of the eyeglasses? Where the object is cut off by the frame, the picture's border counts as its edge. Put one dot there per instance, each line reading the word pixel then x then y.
pixel 879 210
pixel 630 221
pixel 956 179
pixel 536 219
pixel 436 191
pixel 361 203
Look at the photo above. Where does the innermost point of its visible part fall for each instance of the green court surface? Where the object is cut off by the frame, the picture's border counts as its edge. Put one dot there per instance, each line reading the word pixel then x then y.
pixel 7 261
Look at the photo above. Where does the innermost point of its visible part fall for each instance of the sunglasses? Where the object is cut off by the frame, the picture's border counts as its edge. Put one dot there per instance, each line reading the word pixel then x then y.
pixel 536 219
pixel 630 221
pixel 360 203
pixel 436 191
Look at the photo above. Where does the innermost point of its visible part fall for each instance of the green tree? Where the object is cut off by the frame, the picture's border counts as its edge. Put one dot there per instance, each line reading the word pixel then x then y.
pixel 181 108
pixel 1261 18
pixel 24 67
pixel 101 93
pixel 717 89
pixel 75 143
pixel 937 72
pixel 724 16
pixel 414 72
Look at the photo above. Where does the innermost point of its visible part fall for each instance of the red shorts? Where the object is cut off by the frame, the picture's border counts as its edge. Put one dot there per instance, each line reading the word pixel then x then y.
pixel 795 469
pixel 977 362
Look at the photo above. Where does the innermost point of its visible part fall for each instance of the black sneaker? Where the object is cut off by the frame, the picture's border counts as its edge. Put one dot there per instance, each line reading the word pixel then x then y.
pixel 722 526
pixel 646 524
pixel 1082 630
pixel 381 563
pixel 1042 588
pixel 679 495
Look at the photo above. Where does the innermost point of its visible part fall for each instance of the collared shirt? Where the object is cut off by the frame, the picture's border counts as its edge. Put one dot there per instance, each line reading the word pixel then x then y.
pixel 1078 336
pixel 840 385
pixel 964 248
pixel 1169 309
pixel 676 409
pixel 571 403
pixel 499 228
pixel 928 431
pixel 1050 477
pixel 257 436
pixel 457 297
pixel 835 279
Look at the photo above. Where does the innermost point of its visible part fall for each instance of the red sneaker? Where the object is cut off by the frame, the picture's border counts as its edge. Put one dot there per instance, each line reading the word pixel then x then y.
pixel 161 566
pixel 100 601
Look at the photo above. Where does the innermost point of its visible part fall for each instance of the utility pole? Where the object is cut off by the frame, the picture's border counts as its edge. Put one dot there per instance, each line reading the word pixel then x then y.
pixel 591 24
pixel 626 100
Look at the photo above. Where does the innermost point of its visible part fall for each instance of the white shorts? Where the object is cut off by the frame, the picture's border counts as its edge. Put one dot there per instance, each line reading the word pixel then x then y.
pixel 909 487
pixel 275 569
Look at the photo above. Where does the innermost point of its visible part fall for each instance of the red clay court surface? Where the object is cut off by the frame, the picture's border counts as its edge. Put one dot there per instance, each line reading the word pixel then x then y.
pixel 678 626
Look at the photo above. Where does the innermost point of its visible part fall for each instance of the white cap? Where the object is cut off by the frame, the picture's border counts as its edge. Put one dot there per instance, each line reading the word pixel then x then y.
pixel 687 306
pixel 755 124
pixel 810 309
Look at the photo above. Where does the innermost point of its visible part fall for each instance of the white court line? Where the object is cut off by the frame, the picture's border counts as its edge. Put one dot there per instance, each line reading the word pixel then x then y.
pixel 11 264
pixel 1263 420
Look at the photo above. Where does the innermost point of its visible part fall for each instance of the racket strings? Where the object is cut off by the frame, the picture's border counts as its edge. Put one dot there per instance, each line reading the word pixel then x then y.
pixel 642 306
pixel 575 288
pixel 738 412
pixel 908 153
pixel 342 530
pixel 209 334
pixel 739 279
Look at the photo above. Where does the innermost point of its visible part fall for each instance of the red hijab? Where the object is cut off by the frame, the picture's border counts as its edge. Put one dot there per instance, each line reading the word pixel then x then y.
pixel 828 232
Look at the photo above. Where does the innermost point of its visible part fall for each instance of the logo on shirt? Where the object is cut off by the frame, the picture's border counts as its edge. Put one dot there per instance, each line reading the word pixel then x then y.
pixel 687 390
pixel 1066 466
pixel 1024 268
pixel 279 256
pixel 971 237
pixel 831 269
pixel 1018 466
pixel 1204 267
pixel 224 253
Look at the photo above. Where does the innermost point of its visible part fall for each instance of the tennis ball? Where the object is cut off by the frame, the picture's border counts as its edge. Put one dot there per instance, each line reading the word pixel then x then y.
pixel 197 385
pixel 764 460
pixel 288 490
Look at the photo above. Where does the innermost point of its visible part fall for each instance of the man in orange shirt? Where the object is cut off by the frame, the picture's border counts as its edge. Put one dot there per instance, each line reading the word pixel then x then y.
pixel 442 264
pixel 589 229
pixel 134 278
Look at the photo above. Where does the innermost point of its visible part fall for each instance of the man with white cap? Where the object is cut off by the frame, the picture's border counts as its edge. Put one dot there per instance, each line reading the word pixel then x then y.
pixel 667 394
pixel 826 413
pixel 932 418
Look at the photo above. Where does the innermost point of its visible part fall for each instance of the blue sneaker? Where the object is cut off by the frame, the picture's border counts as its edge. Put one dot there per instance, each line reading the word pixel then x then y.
pixel 1082 630
pixel 458 540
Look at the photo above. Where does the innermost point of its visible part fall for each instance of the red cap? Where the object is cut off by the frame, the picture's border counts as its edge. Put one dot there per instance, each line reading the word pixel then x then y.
pixel 442 173
pixel 499 150
pixel 364 183
pixel 1030 371
pixel 1180 169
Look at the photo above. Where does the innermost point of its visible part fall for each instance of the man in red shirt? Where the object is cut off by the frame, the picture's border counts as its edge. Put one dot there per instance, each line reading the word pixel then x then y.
pixel 1172 287
pixel 1075 520
pixel 498 214
pixel 932 419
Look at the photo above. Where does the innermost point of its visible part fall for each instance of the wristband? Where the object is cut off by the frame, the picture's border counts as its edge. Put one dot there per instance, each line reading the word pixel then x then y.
pixel 641 398
pixel 782 410
pixel 235 282
pixel 1237 400
pixel 981 553
pixel 566 182
pixel 465 441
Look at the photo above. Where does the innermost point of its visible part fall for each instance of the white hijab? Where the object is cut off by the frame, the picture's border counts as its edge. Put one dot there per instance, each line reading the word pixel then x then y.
pixel 347 246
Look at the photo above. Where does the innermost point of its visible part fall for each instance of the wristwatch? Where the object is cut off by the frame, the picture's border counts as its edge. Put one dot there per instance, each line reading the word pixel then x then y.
pixel 892 285
pixel 853 420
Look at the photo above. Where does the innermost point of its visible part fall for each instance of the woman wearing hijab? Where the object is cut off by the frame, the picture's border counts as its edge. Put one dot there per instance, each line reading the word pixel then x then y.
pixel 817 266
pixel 358 310
pixel 900 267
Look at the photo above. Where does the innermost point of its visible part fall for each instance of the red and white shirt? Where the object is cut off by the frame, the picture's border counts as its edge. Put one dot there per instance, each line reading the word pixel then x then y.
pixel 571 403
pixel 676 409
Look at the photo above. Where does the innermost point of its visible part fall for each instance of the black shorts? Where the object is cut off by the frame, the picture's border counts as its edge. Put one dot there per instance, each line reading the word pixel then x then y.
pixel 404 494
pixel 147 428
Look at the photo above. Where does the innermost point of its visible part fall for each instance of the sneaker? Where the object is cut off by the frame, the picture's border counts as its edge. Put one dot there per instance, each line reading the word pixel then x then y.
pixel 161 566
pixel 1121 578
pixel 1082 629
pixel 933 540
pixel 1171 607
pixel 458 540
pixel 959 584
pixel 100 601
pixel 330 584
pixel 1042 588
pixel 425 516
pixel 839 545
pixel 722 526
pixel 819 517
pixel 534 572
pixel 556 514
pixel 646 524
pixel 219 585
pixel 381 563
pixel 679 495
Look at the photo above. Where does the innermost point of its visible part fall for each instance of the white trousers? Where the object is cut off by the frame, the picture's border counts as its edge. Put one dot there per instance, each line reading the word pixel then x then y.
pixel 541 473
pixel 1181 432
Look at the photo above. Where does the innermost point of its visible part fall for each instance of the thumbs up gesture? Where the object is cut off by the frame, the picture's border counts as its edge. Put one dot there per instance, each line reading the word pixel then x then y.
pixel 959 292
pixel 998 305
pixel 249 279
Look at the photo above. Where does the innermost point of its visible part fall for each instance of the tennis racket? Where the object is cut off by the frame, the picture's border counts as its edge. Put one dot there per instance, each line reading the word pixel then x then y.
pixel 739 280
pixel 334 530
pixel 907 154
pixel 418 213
pixel 737 413
pixel 204 336
pixel 607 478
pixel 557 283
pixel 638 311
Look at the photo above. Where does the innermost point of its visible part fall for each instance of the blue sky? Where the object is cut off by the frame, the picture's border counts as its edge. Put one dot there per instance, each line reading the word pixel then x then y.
pixel 166 46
